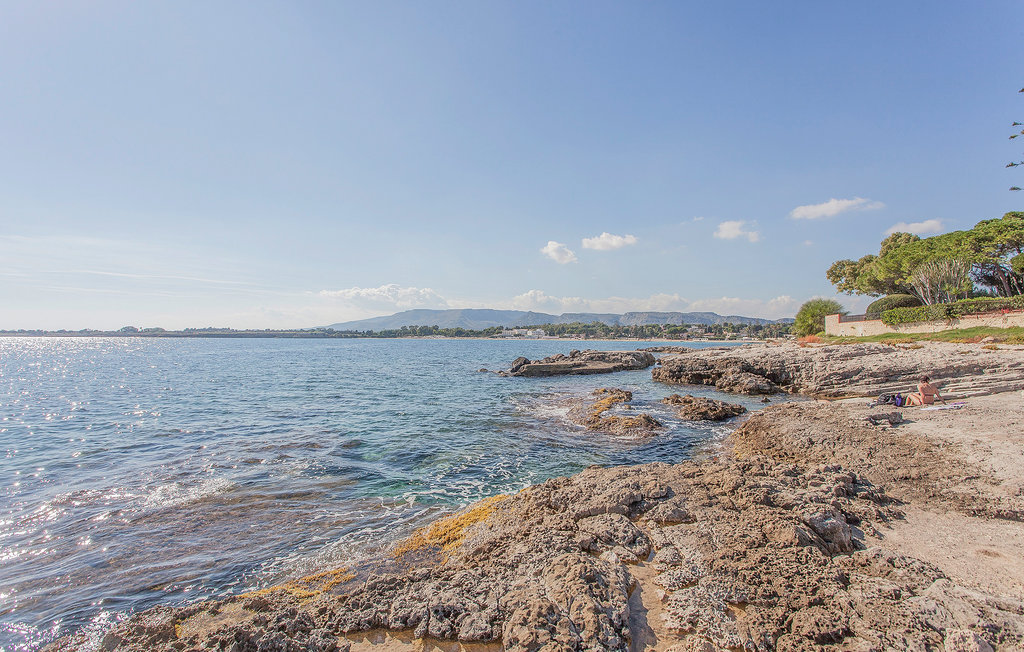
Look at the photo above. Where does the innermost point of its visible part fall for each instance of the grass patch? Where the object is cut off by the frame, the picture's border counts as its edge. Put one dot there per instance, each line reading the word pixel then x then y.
pixel 1013 335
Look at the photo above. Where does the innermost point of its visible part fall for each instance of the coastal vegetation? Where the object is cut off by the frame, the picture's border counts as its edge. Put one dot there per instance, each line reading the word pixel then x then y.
pixel 987 260
pixel 952 310
pixel 810 319
pixel 879 306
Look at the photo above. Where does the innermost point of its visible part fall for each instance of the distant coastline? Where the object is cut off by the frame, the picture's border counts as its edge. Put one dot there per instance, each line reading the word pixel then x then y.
pixel 483 325
pixel 245 334
pixel 602 335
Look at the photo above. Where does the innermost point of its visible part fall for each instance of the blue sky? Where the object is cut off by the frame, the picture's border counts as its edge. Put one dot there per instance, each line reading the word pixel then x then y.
pixel 254 164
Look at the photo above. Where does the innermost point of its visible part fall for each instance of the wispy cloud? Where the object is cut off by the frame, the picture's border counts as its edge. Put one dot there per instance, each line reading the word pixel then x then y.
pixel 775 308
pixel 608 241
pixel 540 300
pixel 834 207
pixel 917 228
pixel 733 229
pixel 162 277
pixel 390 295
pixel 558 252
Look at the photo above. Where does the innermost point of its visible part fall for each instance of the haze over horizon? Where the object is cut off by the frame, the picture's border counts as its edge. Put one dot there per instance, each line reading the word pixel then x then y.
pixel 260 165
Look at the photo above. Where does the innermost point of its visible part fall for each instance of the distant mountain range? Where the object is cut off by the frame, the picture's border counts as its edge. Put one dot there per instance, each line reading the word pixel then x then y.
pixel 480 318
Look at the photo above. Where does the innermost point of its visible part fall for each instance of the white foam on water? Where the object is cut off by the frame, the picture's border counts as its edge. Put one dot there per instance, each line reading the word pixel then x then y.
pixel 175 494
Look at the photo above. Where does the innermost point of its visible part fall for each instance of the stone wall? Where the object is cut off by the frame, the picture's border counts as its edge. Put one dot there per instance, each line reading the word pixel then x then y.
pixel 834 324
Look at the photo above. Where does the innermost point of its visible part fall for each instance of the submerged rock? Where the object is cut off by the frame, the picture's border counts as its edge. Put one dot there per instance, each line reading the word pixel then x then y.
pixel 696 408
pixel 581 363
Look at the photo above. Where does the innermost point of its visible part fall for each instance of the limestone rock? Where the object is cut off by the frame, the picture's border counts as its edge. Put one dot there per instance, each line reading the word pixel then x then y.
pixel 831 526
pixel 837 371
pixel 585 362
pixel 608 531
pixel 597 414
pixel 694 408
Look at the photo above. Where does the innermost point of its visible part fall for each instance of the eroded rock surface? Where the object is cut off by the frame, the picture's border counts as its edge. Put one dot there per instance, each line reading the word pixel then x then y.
pixel 845 370
pixel 698 408
pixel 582 362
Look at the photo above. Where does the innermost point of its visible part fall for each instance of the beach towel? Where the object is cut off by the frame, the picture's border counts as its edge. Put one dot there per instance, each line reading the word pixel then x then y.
pixel 951 406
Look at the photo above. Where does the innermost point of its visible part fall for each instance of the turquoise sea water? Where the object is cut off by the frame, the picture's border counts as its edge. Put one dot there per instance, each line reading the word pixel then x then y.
pixel 141 472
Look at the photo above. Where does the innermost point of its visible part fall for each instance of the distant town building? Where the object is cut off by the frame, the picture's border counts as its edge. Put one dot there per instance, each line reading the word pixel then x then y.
pixel 528 333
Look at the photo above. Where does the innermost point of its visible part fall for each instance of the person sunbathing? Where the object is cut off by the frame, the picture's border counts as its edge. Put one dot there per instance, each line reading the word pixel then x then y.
pixel 926 393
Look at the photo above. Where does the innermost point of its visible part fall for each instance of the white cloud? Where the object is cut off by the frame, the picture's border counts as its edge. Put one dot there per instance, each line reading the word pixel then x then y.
pixel 808 243
pixel 558 252
pixel 918 228
pixel 699 218
pixel 540 300
pixel 777 308
pixel 834 207
pixel 391 295
pixel 732 229
pixel 607 241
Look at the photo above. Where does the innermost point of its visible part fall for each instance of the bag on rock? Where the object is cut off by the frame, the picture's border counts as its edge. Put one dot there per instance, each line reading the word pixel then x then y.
pixel 896 399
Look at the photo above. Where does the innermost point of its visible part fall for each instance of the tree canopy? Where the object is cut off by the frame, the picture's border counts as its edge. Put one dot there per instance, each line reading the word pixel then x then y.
pixel 810 319
pixel 991 249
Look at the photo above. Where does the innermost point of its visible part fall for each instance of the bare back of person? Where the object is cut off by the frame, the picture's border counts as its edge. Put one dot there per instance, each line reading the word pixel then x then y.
pixel 926 393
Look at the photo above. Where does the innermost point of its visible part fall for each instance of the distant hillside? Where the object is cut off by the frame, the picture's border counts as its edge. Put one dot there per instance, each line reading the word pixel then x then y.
pixel 480 318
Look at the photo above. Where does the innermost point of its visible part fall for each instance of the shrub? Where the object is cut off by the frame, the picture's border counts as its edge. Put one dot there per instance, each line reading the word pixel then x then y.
pixel 946 311
pixel 985 304
pixel 919 313
pixel 810 319
pixel 893 301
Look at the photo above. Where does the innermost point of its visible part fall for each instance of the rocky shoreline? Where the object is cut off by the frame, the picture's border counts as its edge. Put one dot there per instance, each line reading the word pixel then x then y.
pixel 812 529
pixel 839 371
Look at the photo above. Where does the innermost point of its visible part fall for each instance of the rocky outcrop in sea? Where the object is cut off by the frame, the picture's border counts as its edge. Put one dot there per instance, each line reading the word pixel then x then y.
pixel 581 362
pixel 600 414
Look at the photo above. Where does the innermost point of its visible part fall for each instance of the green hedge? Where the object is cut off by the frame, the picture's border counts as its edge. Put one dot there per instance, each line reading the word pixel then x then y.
pixel 892 301
pixel 946 311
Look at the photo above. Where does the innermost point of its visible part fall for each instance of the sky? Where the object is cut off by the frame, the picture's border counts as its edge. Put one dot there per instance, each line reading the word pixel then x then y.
pixel 289 165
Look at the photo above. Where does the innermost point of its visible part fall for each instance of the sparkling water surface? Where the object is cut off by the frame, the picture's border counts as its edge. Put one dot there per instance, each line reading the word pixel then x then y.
pixel 138 472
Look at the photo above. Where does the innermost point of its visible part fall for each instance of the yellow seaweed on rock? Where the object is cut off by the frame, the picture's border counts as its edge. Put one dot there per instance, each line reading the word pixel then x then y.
pixel 448 534
pixel 291 588
pixel 309 586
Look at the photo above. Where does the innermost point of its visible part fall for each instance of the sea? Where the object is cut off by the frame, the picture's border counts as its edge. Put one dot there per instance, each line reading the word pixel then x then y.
pixel 139 472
